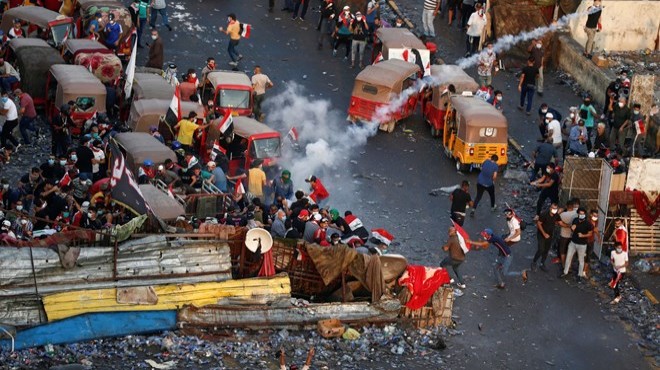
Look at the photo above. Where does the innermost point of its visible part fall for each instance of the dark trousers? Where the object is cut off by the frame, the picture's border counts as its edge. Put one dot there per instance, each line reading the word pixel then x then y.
pixel 231 50
pixel 141 26
pixel 527 93
pixel 542 249
pixel 466 12
pixel 305 4
pixel 480 193
pixel 271 4
pixel 545 195
pixel 458 218
pixel 346 40
pixel 258 99
pixel 26 124
pixel 60 144
pixel 7 133
pixel 454 266
pixel 472 44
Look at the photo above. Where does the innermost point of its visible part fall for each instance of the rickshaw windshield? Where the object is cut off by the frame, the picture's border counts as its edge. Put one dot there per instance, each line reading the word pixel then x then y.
pixel 233 99
pixel 85 104
pixel 61 31
pixel 265 148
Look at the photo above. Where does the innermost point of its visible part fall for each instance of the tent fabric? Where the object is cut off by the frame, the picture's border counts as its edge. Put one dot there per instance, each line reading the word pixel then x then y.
pixel 422 282
pixel 106 67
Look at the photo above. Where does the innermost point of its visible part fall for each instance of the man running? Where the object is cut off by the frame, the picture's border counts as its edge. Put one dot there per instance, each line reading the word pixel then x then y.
pixel 504 257
pixel 455 257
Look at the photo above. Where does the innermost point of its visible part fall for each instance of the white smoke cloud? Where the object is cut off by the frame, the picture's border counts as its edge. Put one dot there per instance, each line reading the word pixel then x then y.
pixel 328 141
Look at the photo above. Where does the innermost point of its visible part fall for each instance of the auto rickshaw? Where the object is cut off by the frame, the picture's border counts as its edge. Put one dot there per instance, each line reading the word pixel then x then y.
pixel 436 98
pixel 246 141
pixel 231 90
pixel 474 131
pixel 38 22
pixel 146 113
pixel 33 59
pixel 86 12
pixel 102 62
pixel 400 43
pixel 151 86
pixel 138 146
pixel 75 83
pixel 377 86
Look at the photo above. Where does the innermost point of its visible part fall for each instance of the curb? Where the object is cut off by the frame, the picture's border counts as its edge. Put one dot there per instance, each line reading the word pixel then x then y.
pixel 514 144
pixel 400 14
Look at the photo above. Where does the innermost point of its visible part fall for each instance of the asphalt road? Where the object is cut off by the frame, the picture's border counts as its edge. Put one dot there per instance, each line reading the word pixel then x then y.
pixel 547 323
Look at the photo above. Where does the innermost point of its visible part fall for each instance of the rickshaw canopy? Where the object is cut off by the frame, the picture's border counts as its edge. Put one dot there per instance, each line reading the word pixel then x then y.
pixel 246 127
pixel 75 46
pixel 34 60
pixel 74 81
pixel 478 120
pixel 446 74
pixel 228 78
pixel 399 38
pixel 151 86
pixel 18 43
pixel 37 15
pixel 147 112
pixel 140 146
pixel 379 81
pixel 163 206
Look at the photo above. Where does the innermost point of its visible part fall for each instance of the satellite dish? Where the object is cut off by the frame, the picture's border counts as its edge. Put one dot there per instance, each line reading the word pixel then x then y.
pixel 258 237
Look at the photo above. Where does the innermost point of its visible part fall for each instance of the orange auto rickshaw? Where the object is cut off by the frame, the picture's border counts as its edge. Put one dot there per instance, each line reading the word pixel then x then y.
pixel 436 97
pixel 473 132
pixel 377 87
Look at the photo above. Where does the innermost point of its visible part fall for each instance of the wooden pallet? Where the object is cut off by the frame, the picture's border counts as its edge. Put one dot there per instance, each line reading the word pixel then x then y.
pixel 437 311
pixel 644 239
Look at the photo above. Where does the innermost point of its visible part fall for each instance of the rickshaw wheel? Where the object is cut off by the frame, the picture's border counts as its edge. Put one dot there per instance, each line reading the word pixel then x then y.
pixel 462 167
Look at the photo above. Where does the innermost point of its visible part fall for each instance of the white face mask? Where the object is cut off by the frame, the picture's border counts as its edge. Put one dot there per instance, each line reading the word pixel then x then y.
pixel 594 218
pixel 548 170
pixel 193 75
pixel 636 111
pixel 74 158
pixel 499 97
pixel 490 50
pixel 359 17
pixel 62 163
pixel 621 105
pixel 554 211
pixel 23 222
pixel 19 208
pixel 619 250
pixel 481 12
pixel 582 217
pixel 544 111
pixel 5 186
pixel 153 37
pixel 89 214
pixel 572 115
pixel 538 46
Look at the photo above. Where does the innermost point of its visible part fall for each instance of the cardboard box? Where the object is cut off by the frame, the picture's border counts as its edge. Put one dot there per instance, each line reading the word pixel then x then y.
pixel 601 61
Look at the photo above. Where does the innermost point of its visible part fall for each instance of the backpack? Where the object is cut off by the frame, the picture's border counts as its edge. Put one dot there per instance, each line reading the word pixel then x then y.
pixel 584 113
pixel 523 223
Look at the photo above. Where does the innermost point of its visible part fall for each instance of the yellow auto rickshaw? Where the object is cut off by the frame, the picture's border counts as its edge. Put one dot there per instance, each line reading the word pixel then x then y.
pixel 474 131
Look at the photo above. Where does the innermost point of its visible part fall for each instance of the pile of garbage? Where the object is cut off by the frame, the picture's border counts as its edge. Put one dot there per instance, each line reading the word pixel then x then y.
pixel 390 346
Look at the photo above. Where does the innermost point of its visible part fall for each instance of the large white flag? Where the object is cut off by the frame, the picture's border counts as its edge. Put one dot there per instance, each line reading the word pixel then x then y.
pixel 130 71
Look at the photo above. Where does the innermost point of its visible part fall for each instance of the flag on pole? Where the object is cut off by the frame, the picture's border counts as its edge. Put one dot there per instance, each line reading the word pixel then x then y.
pixel 130 71
pixel 66 34
pixel 65 180
pixel 246 29
pixel 293 134
pixel 217 148
pixel 226 121
pixel 173 115
pixel 379 58
pixel 239 189
pixel 124 188
pixel 463 237
pixel 170 191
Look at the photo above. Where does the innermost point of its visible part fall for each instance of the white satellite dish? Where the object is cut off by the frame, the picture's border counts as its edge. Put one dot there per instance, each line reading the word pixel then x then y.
pixel 258 237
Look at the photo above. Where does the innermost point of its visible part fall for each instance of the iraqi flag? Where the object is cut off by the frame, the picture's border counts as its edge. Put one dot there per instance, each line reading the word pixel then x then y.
pixel 239 188
pixel 226 121
pixel 293 135
pixel 615 280
pixel 463 237
pixel 379 58
pixel 173 115
pixel 246 29
pixel 217 148
pixel 409 56
pixel 382 236
pixel 170 191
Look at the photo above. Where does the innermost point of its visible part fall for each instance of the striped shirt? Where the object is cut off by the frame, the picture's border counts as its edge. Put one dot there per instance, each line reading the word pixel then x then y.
pixel 430 4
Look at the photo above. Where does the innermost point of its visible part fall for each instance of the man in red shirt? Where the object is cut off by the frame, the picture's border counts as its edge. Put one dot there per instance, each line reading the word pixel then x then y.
pixel 27 114
pixel 319 194
pixel 621 234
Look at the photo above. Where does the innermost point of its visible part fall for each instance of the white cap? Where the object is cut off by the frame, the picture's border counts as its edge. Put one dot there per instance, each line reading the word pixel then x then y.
pixel 549 115
pixel 317 217
pixel 85 204
pixel 6 223
pixel 161 167
pixel 346 7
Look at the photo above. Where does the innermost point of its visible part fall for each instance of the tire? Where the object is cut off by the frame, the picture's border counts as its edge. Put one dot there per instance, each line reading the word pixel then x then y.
pixel 462 167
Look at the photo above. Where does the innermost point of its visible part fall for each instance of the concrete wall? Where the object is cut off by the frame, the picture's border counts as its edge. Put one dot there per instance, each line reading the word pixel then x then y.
pixel 627 25
pixel 568 56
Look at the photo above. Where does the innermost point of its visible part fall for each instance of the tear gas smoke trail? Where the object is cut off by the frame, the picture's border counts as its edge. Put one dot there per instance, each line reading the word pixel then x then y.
pixel 504 43
pixel 328 142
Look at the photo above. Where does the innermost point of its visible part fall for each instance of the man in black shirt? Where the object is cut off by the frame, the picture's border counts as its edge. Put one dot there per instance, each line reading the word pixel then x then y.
pixel 545 225
pixel 460 199
pixel 527 84
pixel 582 231
pixel 85 156
pixel 549 185
pixel 620 119
pixel 592 26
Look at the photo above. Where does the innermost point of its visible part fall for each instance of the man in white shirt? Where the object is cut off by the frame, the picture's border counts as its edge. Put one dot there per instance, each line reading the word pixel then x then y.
pixel 260 82
pixel 8 109
pixel 514 227
pixel 98 160
pixel 475 27
pixel 619 260
pixel 554 131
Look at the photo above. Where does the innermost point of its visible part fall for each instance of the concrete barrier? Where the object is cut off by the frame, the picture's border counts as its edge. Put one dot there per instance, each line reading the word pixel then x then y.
pixel 568 56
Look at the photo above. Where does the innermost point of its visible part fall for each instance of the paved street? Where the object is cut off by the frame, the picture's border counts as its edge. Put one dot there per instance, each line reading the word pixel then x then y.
pixel 546 324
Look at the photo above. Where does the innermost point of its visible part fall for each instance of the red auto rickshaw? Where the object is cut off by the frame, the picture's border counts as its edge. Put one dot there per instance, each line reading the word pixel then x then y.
pixel 436 98
pixel 231 90
pixel 38 22
pixel 375 89
pixel 246 141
